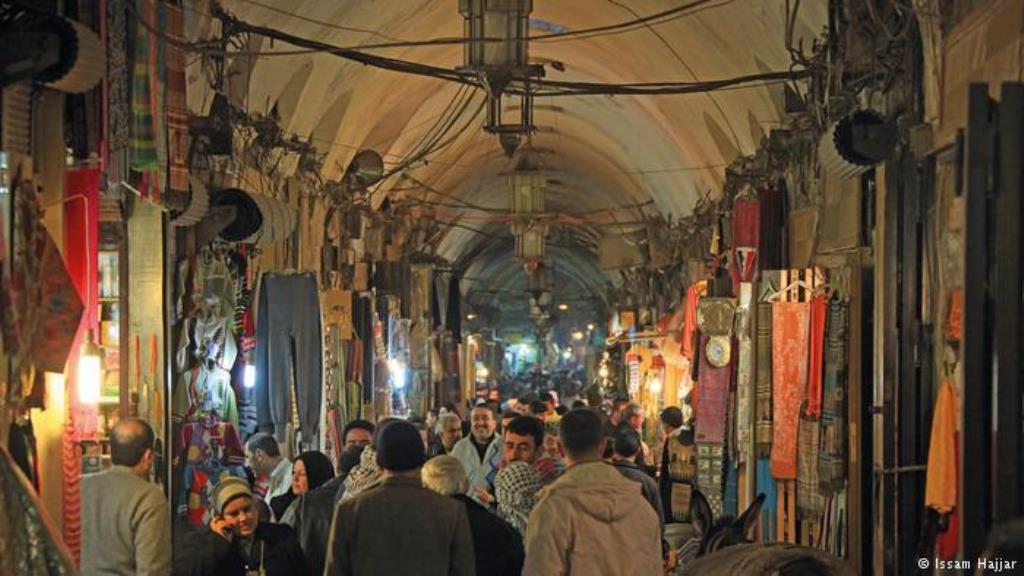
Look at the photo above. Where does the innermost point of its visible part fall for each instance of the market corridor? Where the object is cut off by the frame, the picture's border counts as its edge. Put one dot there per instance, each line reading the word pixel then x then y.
pixel 491 287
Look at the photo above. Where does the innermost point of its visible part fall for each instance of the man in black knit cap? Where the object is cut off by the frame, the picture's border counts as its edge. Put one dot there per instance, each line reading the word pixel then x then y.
pixel 400 527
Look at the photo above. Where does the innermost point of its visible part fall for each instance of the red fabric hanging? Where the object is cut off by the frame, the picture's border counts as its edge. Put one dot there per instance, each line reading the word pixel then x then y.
pixel 693 296
pixel 746 239
pixel 818 315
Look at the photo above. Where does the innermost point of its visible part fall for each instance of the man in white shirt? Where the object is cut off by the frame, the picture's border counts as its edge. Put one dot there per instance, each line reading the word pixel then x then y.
pixel 263 456
pixel 480 452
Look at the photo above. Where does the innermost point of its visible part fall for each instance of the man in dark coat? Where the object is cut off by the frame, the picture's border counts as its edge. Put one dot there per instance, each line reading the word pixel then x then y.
pixel 237 543
pixel 400 527
pixel 498 547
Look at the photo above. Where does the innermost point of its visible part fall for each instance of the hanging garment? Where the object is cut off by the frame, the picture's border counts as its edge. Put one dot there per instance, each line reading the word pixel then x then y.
pixel 712 423
pixel 693 296
pixel 746 237
pixel 790 347
pixel 766 486
pixel 289 342
pixel 832 458
pixel 763 381
pixel 810 505
pixel 817 345
pixel 941 478
pixel 30 543
pixel 203 392
pixel 744 374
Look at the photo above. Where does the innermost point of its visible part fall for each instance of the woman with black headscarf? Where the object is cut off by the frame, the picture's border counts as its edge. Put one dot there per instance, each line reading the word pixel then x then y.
pixel 310 470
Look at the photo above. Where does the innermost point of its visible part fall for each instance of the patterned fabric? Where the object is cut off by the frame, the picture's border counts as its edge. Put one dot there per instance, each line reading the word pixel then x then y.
pixel 515 487
pixel 744 375
pixel 746 237
pixel 763 381
pixel 209 440
pixel 682 473
pixel 199 480
pixel 30 544
pixel 832 459
pixel 810 504
pixel 117 74
pixel 790 335
pixel 713 387
pixel 147 130
pixel 364 476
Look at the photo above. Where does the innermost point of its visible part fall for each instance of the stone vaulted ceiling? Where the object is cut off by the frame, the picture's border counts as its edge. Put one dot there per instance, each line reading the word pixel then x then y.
pixel 650 154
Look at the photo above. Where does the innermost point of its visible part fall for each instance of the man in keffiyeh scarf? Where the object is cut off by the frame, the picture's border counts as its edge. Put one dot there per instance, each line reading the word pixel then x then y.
pixel 516 487
pixel 364 476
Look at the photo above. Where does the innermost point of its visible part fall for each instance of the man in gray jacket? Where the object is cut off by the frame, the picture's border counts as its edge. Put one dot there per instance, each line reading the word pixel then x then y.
pixel 126 526
pixel 400 527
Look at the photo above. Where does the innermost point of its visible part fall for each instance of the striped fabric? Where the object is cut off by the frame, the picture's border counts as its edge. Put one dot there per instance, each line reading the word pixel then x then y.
pixel 810 504
pixel 832 458
pixel 763 381
pixel 146 134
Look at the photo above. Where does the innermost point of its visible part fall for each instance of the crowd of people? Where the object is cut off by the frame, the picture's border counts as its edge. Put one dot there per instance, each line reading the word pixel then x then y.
pixel 539 489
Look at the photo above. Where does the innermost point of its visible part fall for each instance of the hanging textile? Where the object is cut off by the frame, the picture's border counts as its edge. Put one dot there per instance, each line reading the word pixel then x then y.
pixel 832 458
pixel 817 344
pixel 746 237
pixel 148 139
pixel 790 346
pixel 30 543
pixel 766 486
pixel 941 479
pixel 208 451
pixel 693 296
pixel 289 342
pixel 810 504
pixel 712 423
pixel 744 376
pixel 763 381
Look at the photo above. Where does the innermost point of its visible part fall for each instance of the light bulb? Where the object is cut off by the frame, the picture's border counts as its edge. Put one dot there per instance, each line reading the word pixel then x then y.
pixel 577 335
pixel 567 354
pixel 482 373
pixel 397 370
pixel 603 371
pixel 655 385
pixel 89 374
pixel 249 378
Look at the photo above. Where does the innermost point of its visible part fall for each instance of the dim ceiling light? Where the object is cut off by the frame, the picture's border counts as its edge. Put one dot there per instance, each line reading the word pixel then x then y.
pixel 563 307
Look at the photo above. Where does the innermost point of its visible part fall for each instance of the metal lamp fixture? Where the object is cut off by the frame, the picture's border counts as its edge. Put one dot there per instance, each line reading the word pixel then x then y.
pixel 528 226
pixel 498 51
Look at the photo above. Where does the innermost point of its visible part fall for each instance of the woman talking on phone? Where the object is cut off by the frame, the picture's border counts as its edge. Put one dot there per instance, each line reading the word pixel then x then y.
pixel 237 543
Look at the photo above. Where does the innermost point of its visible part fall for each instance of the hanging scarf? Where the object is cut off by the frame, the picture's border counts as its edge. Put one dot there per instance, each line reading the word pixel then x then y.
pixel 832 458
pixel 790 347
pixel 810 504
pixel 763 381
pixel 818 315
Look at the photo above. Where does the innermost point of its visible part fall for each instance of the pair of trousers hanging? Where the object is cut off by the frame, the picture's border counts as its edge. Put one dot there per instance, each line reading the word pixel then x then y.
pixel 289 344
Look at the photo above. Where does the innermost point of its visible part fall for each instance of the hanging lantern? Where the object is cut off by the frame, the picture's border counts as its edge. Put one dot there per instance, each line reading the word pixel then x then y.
pixel 497 50
pixel 528 190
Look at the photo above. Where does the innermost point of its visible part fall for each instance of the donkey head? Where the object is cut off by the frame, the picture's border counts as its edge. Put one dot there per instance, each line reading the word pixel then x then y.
pixel 726 530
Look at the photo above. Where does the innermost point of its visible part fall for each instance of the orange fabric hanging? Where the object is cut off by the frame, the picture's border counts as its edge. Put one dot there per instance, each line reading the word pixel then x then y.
pixel 940 481
pixel 790 341
pixel 693 296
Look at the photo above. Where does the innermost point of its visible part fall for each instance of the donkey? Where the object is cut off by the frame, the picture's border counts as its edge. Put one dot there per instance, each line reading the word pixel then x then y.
pixel 724 546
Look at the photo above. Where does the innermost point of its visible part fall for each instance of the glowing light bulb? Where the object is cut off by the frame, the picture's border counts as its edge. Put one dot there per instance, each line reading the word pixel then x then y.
pixel 577 335
pixel 563 307
pixel 249 378
pixel 603 371
pixel 655 385
pixel 397 370
pixel 567 354
pixel 482 373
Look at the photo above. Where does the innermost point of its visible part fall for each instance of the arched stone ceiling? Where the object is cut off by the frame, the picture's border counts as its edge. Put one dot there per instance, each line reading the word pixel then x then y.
pixel 663 152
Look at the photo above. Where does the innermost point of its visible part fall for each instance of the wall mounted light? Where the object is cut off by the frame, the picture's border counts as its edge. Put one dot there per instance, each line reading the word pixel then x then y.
pixel 90 371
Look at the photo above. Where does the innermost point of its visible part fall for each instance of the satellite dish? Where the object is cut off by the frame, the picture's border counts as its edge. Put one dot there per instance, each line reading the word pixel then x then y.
pixel 366 168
